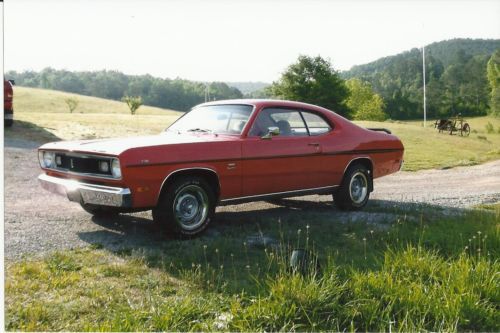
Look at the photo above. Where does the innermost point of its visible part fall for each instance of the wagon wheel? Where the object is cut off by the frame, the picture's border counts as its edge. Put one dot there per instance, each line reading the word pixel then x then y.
pixel 465 130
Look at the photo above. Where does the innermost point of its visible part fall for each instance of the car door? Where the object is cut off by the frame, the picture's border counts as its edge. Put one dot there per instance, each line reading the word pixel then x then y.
pixel 280 163
pixel 325 164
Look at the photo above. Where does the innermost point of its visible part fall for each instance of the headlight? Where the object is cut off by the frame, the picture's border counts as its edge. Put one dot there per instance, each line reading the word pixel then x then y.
pixel 104 166
pixel 115 168
pixel 46 159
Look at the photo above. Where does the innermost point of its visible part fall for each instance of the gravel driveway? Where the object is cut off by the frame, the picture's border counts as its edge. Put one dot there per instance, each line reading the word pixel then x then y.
pixel 37 221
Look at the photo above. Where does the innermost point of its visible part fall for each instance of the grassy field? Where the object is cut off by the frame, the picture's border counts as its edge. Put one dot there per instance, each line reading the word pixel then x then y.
pixel 425 148
pixel 93 118
pixel 413 270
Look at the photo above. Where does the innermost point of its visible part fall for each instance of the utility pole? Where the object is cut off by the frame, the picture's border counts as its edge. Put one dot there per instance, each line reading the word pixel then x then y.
pixel 423 71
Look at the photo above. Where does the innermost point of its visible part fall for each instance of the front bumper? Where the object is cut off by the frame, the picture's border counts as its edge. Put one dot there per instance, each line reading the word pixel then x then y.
pixel 87 193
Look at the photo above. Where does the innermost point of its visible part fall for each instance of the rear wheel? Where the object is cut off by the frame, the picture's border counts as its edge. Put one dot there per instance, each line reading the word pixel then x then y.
pixel 186 207
pixel 354 191
pixel 99 211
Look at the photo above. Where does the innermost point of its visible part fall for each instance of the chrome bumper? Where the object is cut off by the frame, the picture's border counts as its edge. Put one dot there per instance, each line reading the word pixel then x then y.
pixel 87 193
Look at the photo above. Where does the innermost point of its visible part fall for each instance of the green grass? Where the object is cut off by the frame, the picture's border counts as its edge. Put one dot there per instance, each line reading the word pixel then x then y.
pixel 93 118
pixel 425 148
pixel 52 101
pixel 416 269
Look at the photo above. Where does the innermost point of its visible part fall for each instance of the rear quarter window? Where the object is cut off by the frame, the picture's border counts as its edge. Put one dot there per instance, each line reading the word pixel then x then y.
pixel 316 124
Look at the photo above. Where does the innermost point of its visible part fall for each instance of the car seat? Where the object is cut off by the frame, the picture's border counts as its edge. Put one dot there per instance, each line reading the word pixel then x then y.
pixel 285 128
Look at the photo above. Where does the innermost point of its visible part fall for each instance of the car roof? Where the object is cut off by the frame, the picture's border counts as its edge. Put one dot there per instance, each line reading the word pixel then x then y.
pixel 265 102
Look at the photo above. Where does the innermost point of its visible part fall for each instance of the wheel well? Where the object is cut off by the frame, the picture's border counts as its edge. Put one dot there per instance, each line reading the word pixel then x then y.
pixel 367 163
pixel 208 174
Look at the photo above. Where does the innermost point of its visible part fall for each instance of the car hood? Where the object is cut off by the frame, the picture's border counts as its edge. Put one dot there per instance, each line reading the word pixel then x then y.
pixel 117 146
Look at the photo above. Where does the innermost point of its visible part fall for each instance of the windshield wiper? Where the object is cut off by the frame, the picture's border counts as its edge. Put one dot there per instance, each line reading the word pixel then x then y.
pixel 204 130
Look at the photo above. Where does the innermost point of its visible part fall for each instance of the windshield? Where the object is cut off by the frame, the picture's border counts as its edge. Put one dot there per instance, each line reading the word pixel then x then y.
pixel 219 119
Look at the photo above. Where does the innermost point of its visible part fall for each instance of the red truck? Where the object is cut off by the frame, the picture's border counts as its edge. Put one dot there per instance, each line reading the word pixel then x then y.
pixel 224 152
pixel 8 109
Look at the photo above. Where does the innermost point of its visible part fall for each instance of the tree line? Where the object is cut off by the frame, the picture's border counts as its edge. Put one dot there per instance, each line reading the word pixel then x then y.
pixel 177 94
pixel 462 76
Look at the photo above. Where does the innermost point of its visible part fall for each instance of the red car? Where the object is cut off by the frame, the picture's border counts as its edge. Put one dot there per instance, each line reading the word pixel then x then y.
pixel 8 109
pixel 219 153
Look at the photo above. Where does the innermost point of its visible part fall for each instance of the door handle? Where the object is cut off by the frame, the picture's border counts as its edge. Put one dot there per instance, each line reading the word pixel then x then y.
pixel 313 144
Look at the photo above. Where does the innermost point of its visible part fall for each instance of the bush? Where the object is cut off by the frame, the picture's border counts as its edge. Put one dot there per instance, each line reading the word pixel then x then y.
pixel 72 104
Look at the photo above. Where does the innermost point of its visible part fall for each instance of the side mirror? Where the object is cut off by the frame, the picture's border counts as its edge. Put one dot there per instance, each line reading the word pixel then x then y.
pixel 271 131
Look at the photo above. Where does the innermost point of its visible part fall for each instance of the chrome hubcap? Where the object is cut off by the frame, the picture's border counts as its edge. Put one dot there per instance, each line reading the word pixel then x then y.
pixel 191 207
pixel 358 187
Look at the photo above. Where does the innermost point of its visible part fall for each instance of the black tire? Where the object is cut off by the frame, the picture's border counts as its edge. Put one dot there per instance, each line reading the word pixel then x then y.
pixel 186 207
pixel 99 211
pixel 354 190
pixel 8 122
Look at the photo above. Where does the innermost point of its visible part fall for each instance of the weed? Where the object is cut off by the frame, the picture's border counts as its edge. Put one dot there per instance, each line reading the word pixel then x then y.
pixel 426 269
pixel 61 262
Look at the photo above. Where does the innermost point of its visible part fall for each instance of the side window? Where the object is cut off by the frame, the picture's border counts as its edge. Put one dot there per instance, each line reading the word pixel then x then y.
pixel 289 122
pixel 316 124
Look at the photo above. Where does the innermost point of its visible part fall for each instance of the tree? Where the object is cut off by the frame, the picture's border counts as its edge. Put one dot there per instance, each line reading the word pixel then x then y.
pixel 133 103
pixel 363 102
pixel 72 103
pixel 313 80
pixel 493 72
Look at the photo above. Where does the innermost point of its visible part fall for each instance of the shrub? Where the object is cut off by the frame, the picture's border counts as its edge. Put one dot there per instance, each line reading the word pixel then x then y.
pixel 72 104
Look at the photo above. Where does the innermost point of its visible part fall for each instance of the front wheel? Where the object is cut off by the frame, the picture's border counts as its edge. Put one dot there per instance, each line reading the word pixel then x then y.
pixel 354 190
pixel 186 207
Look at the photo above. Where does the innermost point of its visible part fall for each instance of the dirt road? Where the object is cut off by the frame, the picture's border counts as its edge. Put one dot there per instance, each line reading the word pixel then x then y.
pixel 37 221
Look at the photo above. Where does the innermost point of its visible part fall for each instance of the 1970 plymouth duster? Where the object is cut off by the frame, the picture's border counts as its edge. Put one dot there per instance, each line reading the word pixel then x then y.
pixel 223 152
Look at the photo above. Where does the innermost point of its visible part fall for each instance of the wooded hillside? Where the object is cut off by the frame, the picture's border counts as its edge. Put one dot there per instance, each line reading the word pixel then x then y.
pixel 455 75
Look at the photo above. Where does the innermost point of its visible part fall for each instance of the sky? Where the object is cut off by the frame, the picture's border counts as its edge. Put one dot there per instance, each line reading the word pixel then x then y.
pixel 224 40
